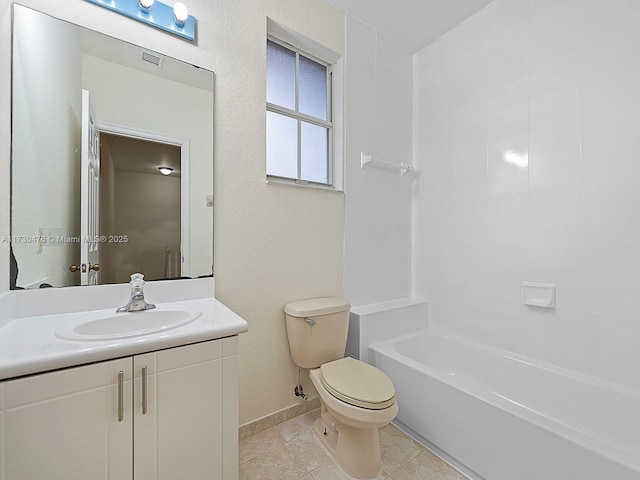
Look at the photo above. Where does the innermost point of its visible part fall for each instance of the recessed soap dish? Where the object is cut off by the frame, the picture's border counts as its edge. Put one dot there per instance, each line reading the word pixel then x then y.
pixel 541 295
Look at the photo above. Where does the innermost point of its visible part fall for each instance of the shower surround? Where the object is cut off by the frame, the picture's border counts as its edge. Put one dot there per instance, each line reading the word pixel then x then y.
pixel 524 137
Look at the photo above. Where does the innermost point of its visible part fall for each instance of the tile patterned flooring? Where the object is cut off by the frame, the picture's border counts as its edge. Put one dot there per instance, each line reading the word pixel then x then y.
pixel 290 451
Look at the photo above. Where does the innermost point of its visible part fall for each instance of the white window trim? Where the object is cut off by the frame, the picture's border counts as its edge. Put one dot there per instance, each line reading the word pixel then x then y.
pixel 300 117
pixel 335 81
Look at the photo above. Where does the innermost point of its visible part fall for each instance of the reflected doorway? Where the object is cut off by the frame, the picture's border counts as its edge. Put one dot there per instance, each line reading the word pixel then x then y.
pixel 140 208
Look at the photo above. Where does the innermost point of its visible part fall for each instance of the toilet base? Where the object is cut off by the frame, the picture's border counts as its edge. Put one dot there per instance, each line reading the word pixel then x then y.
pixel 355 450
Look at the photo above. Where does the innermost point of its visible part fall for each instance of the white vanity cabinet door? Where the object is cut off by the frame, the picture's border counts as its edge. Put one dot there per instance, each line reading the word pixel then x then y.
pixel 179 418
pixel 180 435
pixel 64 425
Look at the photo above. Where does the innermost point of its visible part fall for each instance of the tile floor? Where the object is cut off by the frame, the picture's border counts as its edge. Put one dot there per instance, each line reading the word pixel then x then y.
pixel 290 451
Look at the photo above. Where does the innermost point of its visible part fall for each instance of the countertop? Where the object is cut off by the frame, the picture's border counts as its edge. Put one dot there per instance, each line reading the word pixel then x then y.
pixel 28 344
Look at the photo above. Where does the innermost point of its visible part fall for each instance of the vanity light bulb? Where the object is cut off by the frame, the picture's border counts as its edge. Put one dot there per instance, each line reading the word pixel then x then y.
pixel 180 14
pixel 145 5
pixel 165 170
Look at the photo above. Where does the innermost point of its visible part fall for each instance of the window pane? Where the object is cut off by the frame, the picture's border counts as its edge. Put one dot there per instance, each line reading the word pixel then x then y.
pixel 313 88
pixel 315 153
pixel 281 75
pixel 282 145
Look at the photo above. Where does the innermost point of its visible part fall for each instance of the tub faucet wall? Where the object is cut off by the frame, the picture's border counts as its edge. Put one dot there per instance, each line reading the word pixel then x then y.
pixel 525 128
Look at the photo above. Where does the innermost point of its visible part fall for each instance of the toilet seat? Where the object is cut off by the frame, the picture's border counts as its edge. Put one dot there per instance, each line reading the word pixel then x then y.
pixel 358 384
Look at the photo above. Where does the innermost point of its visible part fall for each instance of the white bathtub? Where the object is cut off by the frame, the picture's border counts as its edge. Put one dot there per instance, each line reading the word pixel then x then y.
pixel 505 417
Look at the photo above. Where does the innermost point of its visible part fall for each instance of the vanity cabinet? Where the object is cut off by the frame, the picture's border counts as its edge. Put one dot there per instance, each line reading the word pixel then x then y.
pixel 156 416
pixel 64 424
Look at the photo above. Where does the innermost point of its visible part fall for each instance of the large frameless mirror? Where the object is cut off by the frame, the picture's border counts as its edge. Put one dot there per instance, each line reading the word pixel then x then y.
pixel 112 159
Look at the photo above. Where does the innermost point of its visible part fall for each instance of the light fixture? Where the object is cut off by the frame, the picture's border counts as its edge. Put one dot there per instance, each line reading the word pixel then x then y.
pixel 145 5
pixel 180 14
pixel 174 20
pixel 165 170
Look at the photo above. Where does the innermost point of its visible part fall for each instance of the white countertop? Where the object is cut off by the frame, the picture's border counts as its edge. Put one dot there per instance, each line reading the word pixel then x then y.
pixel 28 344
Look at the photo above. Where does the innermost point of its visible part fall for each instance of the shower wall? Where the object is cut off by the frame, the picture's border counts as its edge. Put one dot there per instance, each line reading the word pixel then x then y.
pixel 525 127
pixel 377 202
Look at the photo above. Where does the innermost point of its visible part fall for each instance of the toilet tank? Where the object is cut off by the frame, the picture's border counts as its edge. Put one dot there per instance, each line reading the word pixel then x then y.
pixel 317 329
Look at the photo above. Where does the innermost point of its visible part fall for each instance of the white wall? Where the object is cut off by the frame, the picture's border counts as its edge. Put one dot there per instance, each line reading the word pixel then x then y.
pixel 272 244
pixel 554 84
pixel 46 168
pixel 378 202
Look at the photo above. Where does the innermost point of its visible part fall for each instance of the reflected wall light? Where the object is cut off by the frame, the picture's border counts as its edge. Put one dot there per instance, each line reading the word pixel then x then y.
pixel 175 20
pixel 517 159
pixel 165 170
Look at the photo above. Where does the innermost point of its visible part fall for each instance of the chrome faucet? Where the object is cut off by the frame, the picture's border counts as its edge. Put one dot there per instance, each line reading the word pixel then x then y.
pixel 136 302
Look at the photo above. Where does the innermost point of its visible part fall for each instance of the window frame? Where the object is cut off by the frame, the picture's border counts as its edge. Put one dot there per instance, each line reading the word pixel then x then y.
pixel 300 117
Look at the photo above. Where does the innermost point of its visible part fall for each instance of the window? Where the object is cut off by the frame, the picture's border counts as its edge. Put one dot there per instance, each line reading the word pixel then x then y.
pixel 299 123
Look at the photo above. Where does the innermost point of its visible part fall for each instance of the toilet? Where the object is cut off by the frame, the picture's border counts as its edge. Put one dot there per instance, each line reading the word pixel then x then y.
pixel 356 399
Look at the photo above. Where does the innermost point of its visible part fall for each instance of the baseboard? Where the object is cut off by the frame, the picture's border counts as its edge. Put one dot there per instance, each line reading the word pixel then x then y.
pixel 276 418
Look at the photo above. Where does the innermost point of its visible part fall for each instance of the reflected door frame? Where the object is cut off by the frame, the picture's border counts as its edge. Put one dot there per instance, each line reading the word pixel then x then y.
pixel 183 143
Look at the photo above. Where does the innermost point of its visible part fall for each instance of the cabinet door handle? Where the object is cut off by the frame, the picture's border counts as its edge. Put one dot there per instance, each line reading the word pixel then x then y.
pixel 144 390
pixel 120 396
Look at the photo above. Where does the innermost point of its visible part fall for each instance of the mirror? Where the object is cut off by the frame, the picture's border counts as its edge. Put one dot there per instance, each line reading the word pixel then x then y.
pixel 93 120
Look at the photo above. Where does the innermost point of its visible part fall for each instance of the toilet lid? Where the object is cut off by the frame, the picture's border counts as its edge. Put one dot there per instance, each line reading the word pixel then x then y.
pixel 357 383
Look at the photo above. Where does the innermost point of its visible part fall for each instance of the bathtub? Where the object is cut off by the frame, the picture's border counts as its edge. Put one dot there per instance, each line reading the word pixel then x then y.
pixel 499 416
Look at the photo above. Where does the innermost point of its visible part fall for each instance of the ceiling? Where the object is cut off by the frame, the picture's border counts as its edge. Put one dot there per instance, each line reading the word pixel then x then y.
pixel 413 23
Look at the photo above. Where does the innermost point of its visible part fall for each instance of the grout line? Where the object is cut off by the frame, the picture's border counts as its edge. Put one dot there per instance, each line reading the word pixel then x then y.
pixel 386 475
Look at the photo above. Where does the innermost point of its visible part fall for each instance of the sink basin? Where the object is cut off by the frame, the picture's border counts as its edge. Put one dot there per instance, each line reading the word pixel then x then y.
pixel 111 326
